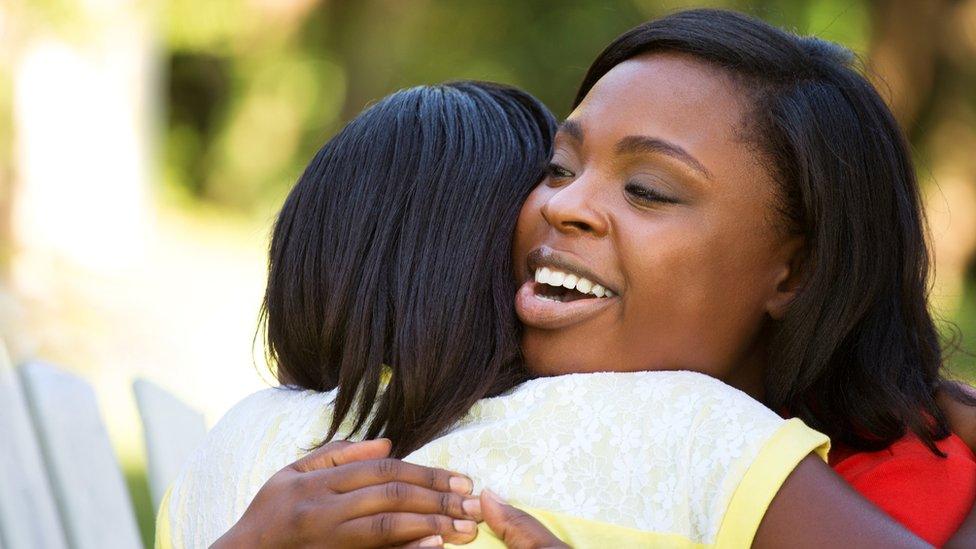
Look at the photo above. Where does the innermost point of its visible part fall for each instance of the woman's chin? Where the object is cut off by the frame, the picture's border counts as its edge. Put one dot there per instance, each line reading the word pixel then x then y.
pixel 549 353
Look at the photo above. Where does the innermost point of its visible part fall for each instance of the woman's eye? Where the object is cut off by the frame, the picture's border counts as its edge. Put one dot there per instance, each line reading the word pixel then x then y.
pixel 557 171
pixel 648 195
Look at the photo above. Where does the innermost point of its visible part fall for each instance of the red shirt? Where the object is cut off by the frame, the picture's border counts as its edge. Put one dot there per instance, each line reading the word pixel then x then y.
pixel 927 494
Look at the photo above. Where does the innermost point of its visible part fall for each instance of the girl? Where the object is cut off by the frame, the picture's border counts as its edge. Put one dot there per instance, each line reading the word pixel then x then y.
pixel 377 285
pixel 800 304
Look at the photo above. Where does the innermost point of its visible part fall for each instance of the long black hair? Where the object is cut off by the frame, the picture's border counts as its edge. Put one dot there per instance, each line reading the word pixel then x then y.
pixel 857 356
pixel 393 254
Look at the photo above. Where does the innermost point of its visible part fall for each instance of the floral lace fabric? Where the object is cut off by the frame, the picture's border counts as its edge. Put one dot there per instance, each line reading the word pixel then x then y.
pixel 655 451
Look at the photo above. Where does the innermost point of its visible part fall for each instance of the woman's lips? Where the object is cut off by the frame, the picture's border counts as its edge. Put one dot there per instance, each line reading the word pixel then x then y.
pixel 546 314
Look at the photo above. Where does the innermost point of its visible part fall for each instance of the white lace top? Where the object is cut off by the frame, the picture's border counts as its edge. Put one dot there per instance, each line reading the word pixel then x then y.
pixel 665 458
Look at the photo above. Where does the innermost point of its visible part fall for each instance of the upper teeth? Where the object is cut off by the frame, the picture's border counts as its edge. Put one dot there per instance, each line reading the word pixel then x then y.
pixel 556 278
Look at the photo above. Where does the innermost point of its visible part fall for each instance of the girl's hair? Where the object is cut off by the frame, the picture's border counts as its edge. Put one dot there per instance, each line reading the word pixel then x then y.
pixel 393 254
pixel 857 356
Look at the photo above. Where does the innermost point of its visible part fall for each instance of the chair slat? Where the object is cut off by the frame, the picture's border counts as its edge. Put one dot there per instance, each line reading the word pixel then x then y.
pixel 28 516
pixel 172 431
pixel 89 489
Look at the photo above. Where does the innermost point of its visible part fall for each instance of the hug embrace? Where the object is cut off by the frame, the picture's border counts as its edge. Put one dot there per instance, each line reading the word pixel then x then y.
pixel 692 314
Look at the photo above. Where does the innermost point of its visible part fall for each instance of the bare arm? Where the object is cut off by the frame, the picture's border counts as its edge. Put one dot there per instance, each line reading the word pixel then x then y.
pixel 962 421
pixel 813 508
pixel 961 416
pixel 965 537
pixel 817 508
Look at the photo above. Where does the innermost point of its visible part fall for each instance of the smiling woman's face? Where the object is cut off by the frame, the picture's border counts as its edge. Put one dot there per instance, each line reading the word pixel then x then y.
pixel 655 195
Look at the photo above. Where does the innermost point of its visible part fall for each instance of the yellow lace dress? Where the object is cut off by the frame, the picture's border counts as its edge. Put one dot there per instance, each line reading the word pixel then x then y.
pixel 655 459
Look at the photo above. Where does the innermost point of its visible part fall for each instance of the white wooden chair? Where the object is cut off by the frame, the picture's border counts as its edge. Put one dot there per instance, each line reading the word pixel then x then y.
pixel 89 489
pixel 28 515
pixel 172 430
pixel 60 483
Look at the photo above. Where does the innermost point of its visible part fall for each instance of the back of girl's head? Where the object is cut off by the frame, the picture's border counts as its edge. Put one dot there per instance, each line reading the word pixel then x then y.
pixel 857 356
pixel 392 254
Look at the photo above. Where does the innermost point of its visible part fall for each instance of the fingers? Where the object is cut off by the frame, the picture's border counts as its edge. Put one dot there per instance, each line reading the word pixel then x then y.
pixel 518 529
pixel 341 452
pixel 365 450
pixel 404 497
pixel 399 528
pixel 426 543
pixel 380 471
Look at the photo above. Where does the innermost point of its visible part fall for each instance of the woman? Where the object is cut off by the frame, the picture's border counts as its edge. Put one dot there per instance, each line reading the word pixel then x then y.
pixel 386 234
pixel 827 255
pixel 780 258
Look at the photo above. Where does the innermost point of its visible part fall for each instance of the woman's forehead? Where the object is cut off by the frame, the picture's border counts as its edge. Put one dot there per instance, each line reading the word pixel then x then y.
pixel 664 95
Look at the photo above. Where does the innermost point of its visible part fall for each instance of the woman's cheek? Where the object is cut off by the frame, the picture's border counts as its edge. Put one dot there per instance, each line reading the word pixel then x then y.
pixel 530 223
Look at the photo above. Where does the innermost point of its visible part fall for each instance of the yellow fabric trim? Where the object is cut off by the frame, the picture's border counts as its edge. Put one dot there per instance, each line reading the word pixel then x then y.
pixel 762 480
pixel 582 533
pixel 164 538
pixel 779 456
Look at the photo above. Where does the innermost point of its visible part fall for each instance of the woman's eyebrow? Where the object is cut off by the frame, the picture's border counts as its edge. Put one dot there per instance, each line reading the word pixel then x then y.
pixel 574 129
pixel 634 144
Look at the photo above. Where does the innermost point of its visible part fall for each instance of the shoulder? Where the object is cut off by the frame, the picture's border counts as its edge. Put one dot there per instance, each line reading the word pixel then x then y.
pixel 928 494
pixel 266 407
pixel 697 405
pixel 258 436
pixel 685 389
pixel 274 414
pixel 655 451
pixel 907 454
pixel 701 412
pixel 962 416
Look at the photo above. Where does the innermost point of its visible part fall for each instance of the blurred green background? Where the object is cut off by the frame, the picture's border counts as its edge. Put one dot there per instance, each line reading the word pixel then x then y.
pixel 161 136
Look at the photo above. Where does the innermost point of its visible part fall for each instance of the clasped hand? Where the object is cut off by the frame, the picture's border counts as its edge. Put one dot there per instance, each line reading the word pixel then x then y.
pixel 354 495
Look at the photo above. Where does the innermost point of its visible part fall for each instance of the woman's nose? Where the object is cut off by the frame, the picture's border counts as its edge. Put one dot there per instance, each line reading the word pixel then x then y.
pixel 574 209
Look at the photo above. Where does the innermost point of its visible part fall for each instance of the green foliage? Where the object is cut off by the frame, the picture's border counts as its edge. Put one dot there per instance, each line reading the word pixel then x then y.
pixel 251 100
pixel 214 26
pixel 256 87
pixel 135 479
pixel 273 80
pixel 962 359
pixel 840 21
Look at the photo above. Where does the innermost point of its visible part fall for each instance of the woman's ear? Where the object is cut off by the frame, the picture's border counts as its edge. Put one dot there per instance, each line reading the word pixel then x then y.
pixel 789 277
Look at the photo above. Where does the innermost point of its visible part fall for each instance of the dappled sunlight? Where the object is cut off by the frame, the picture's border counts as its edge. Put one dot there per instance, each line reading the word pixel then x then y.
pixel 104 278
pixel 183 315
pixel 82 156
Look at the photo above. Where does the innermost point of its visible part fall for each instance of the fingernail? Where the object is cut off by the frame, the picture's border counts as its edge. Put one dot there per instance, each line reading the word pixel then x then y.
pixel 494 497
pixel 465 526
pixel 432 541
pixel 461 485
pixel 472 507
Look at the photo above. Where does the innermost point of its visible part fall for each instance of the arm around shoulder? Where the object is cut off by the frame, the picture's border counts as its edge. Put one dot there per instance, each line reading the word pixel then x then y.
pixel 817 508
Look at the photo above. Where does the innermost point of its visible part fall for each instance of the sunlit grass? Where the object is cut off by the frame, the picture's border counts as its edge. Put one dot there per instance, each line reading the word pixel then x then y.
pixel 135 478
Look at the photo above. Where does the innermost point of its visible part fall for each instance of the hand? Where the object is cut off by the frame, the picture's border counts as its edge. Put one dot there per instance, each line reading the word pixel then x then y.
pixel 353 495
pixel 516 528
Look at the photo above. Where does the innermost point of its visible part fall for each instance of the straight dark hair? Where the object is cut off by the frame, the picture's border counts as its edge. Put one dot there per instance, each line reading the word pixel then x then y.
pixel 393 254
pixel 857 356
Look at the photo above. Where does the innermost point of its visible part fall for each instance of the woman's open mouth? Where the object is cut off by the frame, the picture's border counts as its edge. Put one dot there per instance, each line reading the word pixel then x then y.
pixel 559 295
